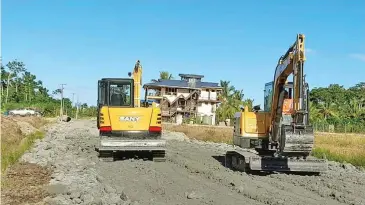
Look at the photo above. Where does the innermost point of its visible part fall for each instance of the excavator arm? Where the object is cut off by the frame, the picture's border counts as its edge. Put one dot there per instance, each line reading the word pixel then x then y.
pixel 292 62
pixel 137 77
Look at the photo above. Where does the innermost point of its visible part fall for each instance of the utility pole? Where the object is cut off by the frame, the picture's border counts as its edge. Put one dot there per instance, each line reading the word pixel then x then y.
pixel 73 102
pixel 73 97
pixel 77 106
pixel 61 112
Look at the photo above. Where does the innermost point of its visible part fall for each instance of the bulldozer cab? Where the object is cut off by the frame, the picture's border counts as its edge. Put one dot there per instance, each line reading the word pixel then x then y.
pixel 115 92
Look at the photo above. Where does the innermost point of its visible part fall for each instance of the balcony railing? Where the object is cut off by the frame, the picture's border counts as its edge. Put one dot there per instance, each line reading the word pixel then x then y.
pixel 215 98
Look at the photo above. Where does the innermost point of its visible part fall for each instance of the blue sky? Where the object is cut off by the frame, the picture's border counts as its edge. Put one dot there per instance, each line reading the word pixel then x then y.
pixel 79 42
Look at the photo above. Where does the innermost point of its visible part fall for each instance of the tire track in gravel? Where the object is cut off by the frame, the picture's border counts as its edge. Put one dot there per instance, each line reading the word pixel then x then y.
pixel 272 189
pixel 191 175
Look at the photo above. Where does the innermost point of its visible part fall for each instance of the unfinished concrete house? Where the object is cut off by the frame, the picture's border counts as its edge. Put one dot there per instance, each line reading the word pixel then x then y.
pixel 186 99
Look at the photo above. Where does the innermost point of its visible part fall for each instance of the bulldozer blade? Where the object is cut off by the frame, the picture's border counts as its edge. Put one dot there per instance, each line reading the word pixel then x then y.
pixel 285 164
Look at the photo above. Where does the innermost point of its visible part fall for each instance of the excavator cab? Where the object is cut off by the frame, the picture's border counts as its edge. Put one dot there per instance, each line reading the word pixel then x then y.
pixel 287 104
pixel 114 92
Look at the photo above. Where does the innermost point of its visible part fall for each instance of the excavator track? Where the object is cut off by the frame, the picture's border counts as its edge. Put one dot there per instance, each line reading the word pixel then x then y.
pixel 159 156
pixel 246 161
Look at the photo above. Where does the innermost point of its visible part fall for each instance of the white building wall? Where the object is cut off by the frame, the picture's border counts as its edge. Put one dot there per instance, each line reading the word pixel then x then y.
pixel 213 95
pixel 208 95
pixel 204 95
pixel 207 109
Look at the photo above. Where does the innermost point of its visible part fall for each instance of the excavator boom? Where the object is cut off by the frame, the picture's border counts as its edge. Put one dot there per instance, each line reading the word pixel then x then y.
pixel 297 138
pixel 137 77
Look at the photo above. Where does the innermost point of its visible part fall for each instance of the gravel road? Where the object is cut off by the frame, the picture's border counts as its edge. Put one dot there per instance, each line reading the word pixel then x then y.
pixel 192 174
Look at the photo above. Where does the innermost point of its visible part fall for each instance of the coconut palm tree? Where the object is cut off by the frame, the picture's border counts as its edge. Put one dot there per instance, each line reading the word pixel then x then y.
pixel 164 75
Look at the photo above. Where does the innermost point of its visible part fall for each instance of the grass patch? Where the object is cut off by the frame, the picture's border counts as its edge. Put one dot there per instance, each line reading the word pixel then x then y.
pixel 203 133
pixel 341 148
pixel 348 148
pixel 11 151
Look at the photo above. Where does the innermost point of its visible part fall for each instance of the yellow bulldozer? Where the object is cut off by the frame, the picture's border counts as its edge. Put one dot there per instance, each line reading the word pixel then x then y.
pixel 126 126
pixel 279 138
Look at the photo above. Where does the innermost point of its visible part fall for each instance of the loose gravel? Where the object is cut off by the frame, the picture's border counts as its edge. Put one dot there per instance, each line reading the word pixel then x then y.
pixel 192 174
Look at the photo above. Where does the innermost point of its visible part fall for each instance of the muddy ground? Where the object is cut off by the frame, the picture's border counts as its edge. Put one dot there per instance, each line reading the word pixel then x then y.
pixel 192 174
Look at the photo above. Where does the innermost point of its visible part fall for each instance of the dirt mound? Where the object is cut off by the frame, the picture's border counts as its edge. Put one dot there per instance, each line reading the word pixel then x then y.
pixel 15 126
pixel 10 131
pixel 23 183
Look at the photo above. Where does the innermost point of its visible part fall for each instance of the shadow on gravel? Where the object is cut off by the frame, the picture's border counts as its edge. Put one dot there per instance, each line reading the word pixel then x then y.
pixel 221 160
pixel 121 156
pixel 133 155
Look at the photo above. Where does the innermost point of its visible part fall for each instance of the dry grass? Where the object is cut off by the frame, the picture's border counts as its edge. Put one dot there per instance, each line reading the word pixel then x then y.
pixel 23 184
pixel 337 147
pixel 341 148
pixel 204 133
pixel 17 136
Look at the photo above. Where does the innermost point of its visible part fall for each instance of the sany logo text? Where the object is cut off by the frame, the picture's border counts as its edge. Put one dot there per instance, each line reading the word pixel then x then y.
pixel 128 119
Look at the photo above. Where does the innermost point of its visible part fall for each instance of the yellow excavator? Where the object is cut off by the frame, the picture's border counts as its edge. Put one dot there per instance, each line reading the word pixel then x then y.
pixel 279 138
pixel 125 124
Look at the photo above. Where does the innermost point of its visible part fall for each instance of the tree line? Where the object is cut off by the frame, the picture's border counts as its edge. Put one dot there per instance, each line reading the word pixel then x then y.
pixel 332 105
pixel 21 89
pixel 336 105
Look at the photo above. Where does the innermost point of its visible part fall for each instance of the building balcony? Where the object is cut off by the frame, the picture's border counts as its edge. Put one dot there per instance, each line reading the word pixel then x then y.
pixel 209 99
pixel 156 95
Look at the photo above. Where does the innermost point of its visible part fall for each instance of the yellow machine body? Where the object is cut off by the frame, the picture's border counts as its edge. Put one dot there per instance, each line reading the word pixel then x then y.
pixel 250 125
pixel 130 119
pixel 124 123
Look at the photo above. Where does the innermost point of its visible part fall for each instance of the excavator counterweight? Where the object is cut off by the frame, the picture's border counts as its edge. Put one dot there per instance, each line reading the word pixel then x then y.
pixel 280 138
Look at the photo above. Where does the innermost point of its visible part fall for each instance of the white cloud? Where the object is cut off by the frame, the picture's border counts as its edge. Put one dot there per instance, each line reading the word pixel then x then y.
pixel 358 56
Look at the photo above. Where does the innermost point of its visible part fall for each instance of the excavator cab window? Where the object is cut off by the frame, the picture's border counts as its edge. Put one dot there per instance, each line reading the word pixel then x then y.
pixel 101 93
pixel 288 91
pixel 116 92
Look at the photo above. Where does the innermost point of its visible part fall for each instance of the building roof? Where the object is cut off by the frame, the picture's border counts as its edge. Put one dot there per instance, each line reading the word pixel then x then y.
pixel 191 75
pixel 181 84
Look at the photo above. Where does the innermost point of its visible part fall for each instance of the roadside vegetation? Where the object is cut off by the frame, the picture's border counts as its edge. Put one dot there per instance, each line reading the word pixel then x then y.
pixel 21 89
pixel 341 148
pixel 17 136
